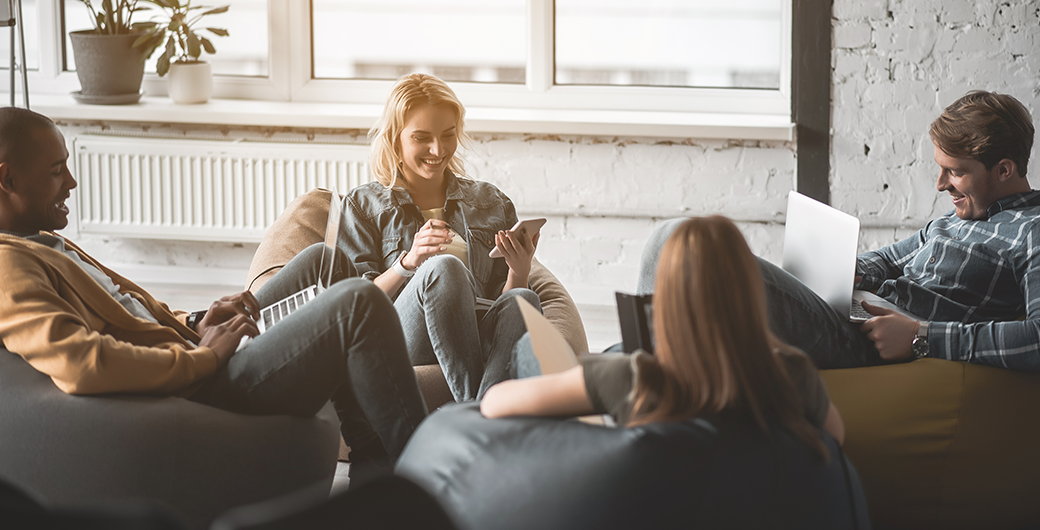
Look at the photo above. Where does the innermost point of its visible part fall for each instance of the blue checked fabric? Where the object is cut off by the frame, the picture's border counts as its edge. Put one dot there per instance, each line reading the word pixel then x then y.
pixel 977 282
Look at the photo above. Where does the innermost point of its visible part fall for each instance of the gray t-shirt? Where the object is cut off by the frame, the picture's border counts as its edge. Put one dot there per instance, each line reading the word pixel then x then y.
pixel 610 379
pixel 131 304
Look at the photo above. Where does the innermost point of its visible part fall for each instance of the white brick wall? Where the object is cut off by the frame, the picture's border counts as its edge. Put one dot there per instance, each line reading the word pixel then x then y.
pixel 896 65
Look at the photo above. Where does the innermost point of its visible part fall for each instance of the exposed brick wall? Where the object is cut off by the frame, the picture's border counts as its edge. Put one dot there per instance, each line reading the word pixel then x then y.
pixel 897 64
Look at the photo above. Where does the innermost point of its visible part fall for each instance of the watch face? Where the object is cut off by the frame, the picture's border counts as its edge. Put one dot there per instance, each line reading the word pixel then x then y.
pixel 919 347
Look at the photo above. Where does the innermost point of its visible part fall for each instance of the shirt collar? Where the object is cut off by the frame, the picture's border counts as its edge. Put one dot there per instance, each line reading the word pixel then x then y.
pixel 452 193
pixel 1014 201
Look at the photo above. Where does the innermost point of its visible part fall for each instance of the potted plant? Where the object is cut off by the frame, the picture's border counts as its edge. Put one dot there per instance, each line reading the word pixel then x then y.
pixel 191 79
pixel 109 68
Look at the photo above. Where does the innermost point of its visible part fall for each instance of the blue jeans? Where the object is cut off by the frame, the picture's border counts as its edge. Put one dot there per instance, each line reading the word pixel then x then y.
pixel 796 314
pixel 441 326
pixel 345 345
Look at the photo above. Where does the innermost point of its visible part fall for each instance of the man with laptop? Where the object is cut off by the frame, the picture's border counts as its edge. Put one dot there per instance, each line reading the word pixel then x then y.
pixel 966 287
pixel 95 332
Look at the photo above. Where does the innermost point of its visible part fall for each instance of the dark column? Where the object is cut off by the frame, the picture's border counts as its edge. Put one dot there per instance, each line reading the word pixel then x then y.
pixel 811 95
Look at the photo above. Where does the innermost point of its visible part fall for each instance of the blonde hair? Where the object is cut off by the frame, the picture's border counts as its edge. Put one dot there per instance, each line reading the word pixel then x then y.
pixel 410 92
pixel 714 350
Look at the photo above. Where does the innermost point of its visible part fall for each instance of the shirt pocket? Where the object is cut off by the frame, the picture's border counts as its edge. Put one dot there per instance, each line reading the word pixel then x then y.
pixel 391 249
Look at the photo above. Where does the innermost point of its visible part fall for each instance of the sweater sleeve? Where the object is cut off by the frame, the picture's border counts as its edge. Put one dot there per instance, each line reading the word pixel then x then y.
pixel 44 320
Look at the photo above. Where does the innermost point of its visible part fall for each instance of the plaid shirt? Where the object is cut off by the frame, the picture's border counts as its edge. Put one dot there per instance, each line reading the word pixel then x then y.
pixel 974 281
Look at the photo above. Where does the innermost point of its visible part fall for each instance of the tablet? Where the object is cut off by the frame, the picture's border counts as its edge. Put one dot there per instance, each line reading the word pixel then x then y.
pixel 531 225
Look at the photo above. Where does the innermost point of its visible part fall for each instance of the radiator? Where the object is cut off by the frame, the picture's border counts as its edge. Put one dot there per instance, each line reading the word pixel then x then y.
pixel 201 190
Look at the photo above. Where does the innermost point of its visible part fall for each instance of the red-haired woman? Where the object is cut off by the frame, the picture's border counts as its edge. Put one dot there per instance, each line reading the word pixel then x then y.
pixel 714 352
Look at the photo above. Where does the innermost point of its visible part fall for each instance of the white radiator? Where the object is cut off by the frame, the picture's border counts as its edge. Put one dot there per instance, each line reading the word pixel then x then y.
pixel 201 190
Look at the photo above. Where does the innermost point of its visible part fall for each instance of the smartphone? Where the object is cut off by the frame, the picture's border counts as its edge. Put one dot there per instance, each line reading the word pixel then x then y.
pixel 531 225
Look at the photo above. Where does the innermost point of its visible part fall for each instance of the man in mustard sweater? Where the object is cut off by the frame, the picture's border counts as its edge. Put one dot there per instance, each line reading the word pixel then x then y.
pixel 94 332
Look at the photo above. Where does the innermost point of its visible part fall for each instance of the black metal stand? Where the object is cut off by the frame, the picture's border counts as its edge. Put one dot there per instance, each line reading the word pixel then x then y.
pixel 13 15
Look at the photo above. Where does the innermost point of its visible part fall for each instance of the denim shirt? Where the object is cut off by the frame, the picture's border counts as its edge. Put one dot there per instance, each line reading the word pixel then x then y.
pixel 382 222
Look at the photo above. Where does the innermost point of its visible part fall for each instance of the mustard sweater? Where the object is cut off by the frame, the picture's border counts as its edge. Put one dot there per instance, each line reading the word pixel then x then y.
pixel 60 320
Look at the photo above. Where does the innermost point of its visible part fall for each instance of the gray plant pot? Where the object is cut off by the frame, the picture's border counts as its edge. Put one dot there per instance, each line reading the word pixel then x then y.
pixel 107 65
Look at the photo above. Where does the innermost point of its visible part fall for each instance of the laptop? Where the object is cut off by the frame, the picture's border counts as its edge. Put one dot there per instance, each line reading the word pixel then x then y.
pixel 274 313
pixel 820 245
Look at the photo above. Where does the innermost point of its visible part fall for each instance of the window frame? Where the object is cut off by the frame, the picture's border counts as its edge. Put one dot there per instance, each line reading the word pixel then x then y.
pixel 539 92
pixel 536 106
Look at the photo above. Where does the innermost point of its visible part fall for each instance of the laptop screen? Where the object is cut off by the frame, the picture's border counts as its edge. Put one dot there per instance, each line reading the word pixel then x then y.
pixel 820 249
pixel 328 255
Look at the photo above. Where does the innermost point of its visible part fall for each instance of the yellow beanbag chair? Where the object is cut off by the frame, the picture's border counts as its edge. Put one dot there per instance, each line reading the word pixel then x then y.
pixel 943 444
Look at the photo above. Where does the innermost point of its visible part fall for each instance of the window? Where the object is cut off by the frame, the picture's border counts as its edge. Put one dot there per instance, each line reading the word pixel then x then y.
pixel 32 38
pixel 626 55
pixel 460 40
pixel 686 43
pixel 671 58
pixel 243 53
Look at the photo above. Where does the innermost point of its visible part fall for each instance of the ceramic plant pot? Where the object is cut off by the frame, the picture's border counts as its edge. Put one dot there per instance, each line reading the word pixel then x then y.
pixel 109 68
pixel 190 83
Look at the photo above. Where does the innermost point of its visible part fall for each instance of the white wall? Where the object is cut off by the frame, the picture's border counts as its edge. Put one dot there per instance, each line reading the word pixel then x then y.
pixel 896 64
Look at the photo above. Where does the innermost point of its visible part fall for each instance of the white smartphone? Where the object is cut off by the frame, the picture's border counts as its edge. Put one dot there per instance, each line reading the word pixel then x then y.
pixel 531 225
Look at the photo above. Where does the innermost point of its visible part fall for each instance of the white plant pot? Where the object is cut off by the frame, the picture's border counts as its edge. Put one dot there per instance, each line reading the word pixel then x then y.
pixel 190 83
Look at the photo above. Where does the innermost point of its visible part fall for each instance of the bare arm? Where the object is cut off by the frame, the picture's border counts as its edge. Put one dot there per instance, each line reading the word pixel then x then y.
pixel 561 394
pixel 518 249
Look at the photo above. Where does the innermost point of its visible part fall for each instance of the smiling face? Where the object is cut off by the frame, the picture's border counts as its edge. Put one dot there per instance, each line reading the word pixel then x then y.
pixel 37 184
pixel 972 187
pixel 427 143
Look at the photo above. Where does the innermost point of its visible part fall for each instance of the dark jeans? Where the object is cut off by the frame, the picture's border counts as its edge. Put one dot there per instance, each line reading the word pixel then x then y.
pixel 796 314
pixel 345 345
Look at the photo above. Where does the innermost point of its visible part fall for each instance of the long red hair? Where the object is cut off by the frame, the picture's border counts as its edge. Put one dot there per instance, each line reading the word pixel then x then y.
pixel 714 351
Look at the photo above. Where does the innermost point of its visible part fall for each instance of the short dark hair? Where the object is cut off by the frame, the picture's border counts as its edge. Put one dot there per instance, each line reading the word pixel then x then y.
pixel 16 127
pixel 987 127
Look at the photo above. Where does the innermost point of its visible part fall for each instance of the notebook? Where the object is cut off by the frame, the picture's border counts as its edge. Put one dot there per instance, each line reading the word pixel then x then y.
pixel 636 316
pixel 551 349
pixel 820 245
pixel 274 313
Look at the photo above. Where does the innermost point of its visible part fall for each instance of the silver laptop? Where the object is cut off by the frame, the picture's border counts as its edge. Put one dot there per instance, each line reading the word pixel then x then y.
pixel 274 313
pixel 820 245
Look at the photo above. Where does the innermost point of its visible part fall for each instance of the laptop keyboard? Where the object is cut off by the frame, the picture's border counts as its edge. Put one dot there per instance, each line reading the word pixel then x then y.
pixel 273 314
pixel 858 313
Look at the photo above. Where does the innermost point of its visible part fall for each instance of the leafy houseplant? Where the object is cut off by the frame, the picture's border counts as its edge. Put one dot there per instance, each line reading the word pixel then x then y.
pixel 109 68
pixel 177 29
pixel 113 17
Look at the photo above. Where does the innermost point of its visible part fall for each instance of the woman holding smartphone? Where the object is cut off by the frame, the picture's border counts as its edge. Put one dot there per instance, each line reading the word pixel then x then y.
pixel 423 233
pixel 714 353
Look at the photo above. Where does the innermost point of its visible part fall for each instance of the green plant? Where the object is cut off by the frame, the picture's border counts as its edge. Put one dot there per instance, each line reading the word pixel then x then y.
pixel 113 17
pixel 176 28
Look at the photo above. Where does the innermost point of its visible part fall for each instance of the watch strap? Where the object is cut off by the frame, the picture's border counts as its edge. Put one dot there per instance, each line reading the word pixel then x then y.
pixel 399 267
pixel 919 347
pixel 193 319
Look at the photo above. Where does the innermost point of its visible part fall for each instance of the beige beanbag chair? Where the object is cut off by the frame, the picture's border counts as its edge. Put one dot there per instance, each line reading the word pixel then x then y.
pixel 303 224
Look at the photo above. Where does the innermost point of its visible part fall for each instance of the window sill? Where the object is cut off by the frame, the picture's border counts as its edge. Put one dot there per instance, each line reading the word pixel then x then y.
pixel 478 119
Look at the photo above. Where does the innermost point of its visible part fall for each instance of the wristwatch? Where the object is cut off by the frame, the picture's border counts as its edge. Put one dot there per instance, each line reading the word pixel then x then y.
pixel 920 345
pixel 193 319
pixel 399 267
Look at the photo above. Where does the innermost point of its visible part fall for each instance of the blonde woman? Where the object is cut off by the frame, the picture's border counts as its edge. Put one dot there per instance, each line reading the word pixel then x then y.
pixel 714 353
pixel 423 232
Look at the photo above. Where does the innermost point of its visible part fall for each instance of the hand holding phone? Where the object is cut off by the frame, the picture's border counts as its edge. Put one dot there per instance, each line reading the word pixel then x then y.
pixel 532 226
